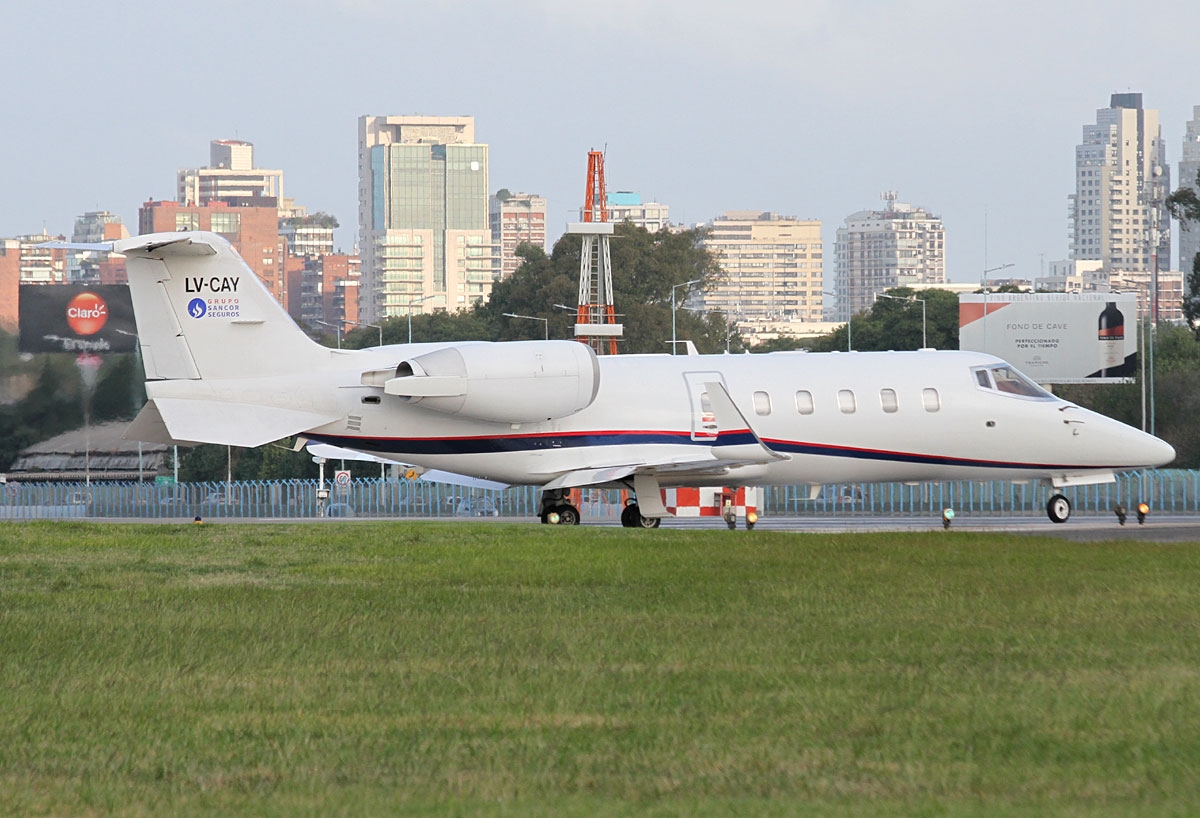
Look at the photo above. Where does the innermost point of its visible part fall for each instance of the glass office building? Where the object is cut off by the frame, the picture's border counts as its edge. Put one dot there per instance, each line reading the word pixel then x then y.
pixel 423 214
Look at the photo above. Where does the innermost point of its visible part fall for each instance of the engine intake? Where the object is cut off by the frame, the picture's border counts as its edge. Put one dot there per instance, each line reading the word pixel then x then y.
pixel 509 382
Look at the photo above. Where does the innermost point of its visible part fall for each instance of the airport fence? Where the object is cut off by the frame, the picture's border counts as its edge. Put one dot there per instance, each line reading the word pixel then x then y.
pixel 1167 492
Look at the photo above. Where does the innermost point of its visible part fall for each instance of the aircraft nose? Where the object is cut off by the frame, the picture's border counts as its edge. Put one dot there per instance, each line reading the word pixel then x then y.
pixel 1160 452
pixel 1144 450
pixel 1125 447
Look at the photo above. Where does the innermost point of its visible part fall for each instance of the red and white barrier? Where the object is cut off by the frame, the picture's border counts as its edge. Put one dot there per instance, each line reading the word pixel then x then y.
pixel 711 501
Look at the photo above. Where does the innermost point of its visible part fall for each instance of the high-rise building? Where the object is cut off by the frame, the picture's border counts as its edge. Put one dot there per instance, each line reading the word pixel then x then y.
pixel 1118 213
pixel 876 250
pixel 627 206
pixel 516 219
pixel 1189 166
pixel 93 266
pixel 772 265
pixel 1074 276
pixel 323 291
pixel 10 283
pixel 230 174
pixel 426 242
pixel 24 261
pixel 308 235
pixel 251 227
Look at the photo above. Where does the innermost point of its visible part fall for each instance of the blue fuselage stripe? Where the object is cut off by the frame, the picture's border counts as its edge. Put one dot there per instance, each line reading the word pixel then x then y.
pixel 417 447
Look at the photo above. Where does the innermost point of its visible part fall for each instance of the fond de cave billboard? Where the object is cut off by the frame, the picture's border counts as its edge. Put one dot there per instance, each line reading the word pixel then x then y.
pixel 1053 337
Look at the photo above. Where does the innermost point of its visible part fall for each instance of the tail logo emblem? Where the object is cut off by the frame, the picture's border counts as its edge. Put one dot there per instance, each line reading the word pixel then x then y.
pixel 197 308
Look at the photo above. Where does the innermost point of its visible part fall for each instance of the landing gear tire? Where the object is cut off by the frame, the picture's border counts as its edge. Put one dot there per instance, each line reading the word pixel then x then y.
pixel 1058 509
pixel 568 515
pixel 561 515
pixel 631 517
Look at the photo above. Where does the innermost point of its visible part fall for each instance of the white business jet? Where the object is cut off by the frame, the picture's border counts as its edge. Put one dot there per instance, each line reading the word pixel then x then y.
pixel 226 364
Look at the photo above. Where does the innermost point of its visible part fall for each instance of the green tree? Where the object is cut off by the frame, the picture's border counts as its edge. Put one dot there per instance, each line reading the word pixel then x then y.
pixel 645 267
pixel 1176 393
pixel 1184 204
pixel 896 323
pixel 120 390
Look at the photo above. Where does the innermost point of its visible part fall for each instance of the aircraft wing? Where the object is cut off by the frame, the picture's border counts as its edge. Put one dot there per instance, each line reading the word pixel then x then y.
pixel 330 452
pixel 736 444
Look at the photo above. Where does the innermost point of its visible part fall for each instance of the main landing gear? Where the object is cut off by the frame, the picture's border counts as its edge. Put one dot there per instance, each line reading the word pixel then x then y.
pixel 556 510
pixel 631 517
pixel 1058 509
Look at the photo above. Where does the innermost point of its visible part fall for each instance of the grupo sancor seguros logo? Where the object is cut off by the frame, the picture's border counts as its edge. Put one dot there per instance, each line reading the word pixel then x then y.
pixel 197 308
pixel 87 313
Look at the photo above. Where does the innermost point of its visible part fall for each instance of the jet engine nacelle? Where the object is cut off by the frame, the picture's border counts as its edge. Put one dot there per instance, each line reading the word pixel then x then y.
pixel 510 382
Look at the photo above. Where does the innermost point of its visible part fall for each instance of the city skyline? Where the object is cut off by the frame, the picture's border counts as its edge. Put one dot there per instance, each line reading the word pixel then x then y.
pixel 808 109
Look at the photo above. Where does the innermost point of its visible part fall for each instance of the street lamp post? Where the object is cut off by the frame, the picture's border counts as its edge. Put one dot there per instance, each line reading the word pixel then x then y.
pixel 849 336
pixel 674 310
pixel 545 321
pixel 373 326
pixel 335 327
pixel 410 306
pixel 983 283
pixel 924 337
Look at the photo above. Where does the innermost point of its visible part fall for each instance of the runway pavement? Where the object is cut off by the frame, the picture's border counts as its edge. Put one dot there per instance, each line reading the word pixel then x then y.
pixel 1161 528
pixel 1158 528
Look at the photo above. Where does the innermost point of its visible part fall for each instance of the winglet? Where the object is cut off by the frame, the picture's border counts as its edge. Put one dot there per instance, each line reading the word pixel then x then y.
pixel 735 437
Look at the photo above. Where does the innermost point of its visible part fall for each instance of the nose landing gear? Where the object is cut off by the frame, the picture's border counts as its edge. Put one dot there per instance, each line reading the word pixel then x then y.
pixel 1058 509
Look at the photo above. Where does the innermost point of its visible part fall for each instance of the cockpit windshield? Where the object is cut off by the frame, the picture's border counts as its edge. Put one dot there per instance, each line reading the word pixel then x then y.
pixel 1009 381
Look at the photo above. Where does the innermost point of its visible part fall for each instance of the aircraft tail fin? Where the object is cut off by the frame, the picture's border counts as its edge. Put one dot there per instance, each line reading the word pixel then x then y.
pixel 202 313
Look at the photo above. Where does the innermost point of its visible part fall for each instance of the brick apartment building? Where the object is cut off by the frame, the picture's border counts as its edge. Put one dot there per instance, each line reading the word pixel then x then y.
pixel 251 225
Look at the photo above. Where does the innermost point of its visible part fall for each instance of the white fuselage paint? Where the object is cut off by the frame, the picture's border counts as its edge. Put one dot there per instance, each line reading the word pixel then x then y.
pixel 646 412
pixel 226 364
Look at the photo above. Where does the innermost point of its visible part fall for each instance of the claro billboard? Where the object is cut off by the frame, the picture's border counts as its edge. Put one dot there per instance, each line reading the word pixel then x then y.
pixel 76 318
pixel 1055 337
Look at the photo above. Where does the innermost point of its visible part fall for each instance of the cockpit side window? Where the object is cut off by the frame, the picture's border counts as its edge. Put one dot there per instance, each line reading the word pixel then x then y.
pixel 1009 381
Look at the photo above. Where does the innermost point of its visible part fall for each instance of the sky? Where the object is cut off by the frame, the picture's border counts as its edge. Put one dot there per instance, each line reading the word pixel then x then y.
pixel 809 108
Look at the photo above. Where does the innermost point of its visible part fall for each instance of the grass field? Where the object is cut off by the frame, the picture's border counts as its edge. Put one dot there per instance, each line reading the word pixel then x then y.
pixel 484 669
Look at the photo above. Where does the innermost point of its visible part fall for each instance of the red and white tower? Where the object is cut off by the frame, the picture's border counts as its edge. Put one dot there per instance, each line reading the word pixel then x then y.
pixel 596 319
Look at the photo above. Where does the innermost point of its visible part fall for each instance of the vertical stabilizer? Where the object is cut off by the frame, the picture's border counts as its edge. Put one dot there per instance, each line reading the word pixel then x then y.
pixel 202 312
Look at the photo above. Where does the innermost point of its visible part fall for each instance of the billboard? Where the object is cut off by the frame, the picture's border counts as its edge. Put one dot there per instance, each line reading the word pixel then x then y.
pixel 1055 337
pixel 76 318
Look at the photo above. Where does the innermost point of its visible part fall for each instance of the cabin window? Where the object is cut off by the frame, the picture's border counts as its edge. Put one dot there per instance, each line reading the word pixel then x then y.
pixel 370 399
pixel 931 399
pixel 762 403
pixel 888 400
pixel 804 402
pixel 846 401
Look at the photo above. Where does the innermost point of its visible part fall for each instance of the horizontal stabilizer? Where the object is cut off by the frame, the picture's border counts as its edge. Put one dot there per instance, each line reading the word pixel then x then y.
pixel 234 424
pixel 148 427
pixel 155 246
pixel 93 246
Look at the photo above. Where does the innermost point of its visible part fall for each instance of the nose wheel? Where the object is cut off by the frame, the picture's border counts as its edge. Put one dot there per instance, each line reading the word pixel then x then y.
pixel 1058 509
